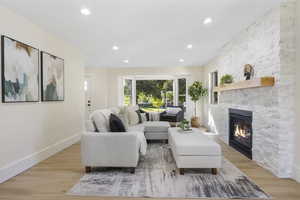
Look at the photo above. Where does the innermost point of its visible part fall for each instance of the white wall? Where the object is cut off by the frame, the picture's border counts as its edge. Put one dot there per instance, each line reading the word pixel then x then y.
pixel 99 87
pixel 109 78
pixel 297 137
pixel 30 132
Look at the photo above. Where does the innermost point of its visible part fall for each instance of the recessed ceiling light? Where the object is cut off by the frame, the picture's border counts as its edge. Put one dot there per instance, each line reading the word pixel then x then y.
pixel 181 60
pixel 125 61
pixel 189 46
pixel 207 20
pixel 85 11
pixel 115 48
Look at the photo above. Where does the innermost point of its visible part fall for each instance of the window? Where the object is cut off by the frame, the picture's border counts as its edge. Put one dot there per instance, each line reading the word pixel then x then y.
pixel 154 95
pixel 214 82
pixel 182 93
pixel 127 85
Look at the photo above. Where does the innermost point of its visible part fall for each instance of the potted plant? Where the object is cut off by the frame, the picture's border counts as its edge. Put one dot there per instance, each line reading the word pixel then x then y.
pixel 196 91
pixel 226 79
pixel 185 125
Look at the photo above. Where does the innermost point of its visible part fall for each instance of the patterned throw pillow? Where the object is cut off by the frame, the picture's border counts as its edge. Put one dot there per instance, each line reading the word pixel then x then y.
pixel 140 116
pixel 144 117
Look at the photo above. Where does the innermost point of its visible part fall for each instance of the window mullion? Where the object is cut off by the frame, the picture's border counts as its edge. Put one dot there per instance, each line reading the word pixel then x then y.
pixel 133 92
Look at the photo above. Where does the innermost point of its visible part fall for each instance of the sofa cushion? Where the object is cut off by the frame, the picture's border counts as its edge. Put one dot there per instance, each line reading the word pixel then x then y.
pixel 115 110
pixel 140 116
pixel 100 121
pixel 89 126
pixel 138 127
pixel 168 115
pixel 116 125
pixel 156 126
pixel 106 113
pixel 133 117
pixel 144 117
pixel 133 108
pixel 124 119
pixel 172 111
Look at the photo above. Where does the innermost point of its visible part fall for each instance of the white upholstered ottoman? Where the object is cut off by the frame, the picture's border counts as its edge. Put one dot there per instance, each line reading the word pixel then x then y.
pixel 156 130
pixel 194 150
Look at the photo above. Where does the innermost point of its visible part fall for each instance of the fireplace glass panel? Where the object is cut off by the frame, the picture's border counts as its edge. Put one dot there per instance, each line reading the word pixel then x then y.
pixel 242 132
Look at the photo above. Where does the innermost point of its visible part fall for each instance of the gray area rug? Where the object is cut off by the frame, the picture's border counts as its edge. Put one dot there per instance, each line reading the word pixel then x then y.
pixel 157 177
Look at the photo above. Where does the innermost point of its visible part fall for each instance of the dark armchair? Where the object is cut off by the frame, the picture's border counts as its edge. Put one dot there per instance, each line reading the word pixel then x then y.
pixel 164 116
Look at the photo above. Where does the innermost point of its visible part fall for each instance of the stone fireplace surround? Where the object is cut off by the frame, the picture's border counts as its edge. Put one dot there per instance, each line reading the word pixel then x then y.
pixel 269 45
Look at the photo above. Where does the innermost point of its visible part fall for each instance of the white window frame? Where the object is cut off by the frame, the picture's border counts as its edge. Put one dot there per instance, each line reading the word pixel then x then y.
pixel 134 78
pixel 212 80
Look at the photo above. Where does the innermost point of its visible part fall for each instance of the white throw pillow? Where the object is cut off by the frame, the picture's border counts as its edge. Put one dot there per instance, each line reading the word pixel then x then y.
pixel 173 111
pixel 115 110
pixel 133 118
pixel 133 108
pixel 89 126
pixel 124 120
pixel 107 113
pixel 100 121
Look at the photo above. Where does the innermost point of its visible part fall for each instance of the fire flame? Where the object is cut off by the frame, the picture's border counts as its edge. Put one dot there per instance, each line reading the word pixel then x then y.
pixel 239 131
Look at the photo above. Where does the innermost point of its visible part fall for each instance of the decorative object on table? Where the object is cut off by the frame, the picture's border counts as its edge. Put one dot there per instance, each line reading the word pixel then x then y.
pixel 248 71
pixel 196 91
pixel 20 71
pixel 226 79
pixel 185 126
pixel 52 77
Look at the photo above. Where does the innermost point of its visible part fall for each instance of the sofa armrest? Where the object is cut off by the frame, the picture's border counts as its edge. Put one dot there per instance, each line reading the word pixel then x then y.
pixel 110 149
pixel 180 116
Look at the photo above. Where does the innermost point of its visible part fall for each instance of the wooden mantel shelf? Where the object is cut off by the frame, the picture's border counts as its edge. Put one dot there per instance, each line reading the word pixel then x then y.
pixel 255 83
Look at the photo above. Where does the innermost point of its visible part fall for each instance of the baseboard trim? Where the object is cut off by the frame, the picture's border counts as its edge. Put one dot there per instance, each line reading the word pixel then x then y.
pixel 23 164
pixel 296 173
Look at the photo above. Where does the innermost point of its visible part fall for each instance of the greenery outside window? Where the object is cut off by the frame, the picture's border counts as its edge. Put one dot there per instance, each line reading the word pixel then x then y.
pixel 155 94
pixel 127 92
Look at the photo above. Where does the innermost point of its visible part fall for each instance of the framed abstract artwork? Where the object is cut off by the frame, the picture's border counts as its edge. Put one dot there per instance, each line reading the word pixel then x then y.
pixel 52 69
pixel 20 71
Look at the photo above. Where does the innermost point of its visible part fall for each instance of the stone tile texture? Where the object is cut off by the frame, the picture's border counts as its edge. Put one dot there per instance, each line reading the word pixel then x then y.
pixel 268 45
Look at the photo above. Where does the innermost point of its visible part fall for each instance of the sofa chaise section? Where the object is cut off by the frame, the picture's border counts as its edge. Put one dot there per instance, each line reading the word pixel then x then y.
pixel 110 149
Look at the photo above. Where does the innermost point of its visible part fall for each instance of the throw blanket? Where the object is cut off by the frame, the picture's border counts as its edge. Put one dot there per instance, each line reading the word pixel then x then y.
pixel 154 116
pixel 143 143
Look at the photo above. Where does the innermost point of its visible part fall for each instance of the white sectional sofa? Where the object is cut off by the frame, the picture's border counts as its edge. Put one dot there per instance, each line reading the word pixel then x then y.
pixel 102 148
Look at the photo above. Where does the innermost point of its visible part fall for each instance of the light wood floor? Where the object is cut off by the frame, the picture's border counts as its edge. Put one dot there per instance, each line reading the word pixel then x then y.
pixel 52 178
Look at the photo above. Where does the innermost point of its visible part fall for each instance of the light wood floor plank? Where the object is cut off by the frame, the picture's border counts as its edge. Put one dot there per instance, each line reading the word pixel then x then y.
pixel 52 178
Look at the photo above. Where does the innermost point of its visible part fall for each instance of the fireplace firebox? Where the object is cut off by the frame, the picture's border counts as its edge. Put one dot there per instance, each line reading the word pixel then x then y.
pixel 240 131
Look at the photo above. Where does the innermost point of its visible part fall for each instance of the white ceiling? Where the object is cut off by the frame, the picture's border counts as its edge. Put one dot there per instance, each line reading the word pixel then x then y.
pixel 149 32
